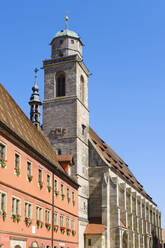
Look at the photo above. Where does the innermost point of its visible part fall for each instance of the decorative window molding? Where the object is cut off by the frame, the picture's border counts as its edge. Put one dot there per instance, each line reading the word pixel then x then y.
pixel 62 191
pixel 55 218
pixel 3 204
pixel 40 178
pixel 61 220
pixel 55 221
pixel 68 195
pixel 3 154
pixel 56 192
pixel 29 171
pixel 48 182
pixel 16 209
pixel 39 216
pixel 67 222
pixel 48 216
pixel 73 224
pixel 17 163
pixel 73 198
pixel 28 208
pixel 73 227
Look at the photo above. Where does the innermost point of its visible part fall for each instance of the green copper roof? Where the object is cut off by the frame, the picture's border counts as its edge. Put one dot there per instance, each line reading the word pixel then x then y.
pixel 67 32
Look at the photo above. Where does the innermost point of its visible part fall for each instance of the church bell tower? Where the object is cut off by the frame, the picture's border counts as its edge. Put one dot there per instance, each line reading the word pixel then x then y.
pixel 65 110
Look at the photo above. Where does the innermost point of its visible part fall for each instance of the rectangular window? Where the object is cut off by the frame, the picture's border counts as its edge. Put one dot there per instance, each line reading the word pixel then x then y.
pixel 28 210
pixel 48 216
pixel 68 193
pixel 67 222
pixel 55 186
pixel 3 201
pixel 62 191
pixel 55 218
pixel 40 175
pixel 29 168
pixel 39 213
pixel 73 198
pixel 16 206
pixel 89 242
pixel 62 220
pixel 73 224
pixel 48 180
pixel 2 151
pixel 17 161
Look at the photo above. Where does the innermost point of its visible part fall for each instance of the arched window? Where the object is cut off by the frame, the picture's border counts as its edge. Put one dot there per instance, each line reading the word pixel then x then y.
pixel 125 240
pixel 34 244
pixel 60 84
pixel 59 151
pixel 82 88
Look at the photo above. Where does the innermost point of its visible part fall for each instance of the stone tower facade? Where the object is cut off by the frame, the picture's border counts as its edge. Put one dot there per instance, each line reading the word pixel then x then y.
pixel 65 111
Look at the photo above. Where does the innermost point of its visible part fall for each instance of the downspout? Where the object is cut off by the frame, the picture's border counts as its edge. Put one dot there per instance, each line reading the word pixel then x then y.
pixel 52 238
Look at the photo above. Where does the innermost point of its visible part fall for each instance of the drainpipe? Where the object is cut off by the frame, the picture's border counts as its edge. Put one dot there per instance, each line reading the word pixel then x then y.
pixel 52 238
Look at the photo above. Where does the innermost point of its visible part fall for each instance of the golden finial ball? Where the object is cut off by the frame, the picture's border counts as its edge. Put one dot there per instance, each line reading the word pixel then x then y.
pixel 66 18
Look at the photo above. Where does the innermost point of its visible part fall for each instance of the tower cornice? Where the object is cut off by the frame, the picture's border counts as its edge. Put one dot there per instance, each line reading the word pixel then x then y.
pixel 64 60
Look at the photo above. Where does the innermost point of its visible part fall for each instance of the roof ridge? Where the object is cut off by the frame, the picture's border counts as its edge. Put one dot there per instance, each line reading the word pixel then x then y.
pixel 119 166
pixel 29 125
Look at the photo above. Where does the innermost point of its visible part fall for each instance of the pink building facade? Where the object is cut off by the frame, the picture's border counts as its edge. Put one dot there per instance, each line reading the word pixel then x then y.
pixel 38 200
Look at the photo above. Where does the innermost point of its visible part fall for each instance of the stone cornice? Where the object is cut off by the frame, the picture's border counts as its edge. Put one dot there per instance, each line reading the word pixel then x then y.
pixel 64 60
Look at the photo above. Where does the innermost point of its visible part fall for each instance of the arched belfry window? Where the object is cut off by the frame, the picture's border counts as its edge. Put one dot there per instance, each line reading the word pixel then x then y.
pixel 82 88
pixel 60 84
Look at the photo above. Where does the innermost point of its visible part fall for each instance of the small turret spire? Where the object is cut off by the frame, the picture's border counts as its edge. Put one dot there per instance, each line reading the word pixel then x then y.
pixel 35 103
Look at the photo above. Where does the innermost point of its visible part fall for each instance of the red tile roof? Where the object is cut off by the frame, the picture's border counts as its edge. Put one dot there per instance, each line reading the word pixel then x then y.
pixel 14 118
pixel 116 163
pixel 122 224
pixel 94 229
pixel 64 158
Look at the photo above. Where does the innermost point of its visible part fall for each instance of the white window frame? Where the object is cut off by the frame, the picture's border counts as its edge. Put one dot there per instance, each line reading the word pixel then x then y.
pixel 19 166
pixel 48 184
pixel 41 174
pixel 73 196
pixel 39 213
pixel 61 220
pixel 31 211
pixel 67 222
pixel 55 218
pixel 55 185
pixel 73 225
pixel 62 189
pixel 15 205
pixel 5 208
pixel 28 161
pixel 5 146
pixel 48 216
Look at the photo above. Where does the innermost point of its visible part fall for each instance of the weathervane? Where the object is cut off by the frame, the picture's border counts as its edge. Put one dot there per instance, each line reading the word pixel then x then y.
pixel 66 20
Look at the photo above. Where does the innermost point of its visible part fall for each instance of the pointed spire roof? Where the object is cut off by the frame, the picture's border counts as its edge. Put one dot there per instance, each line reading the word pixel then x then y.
pixel 14 118
pixel 35 97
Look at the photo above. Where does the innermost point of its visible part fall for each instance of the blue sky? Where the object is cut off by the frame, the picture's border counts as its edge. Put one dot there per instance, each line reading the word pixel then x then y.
pixel 125 52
